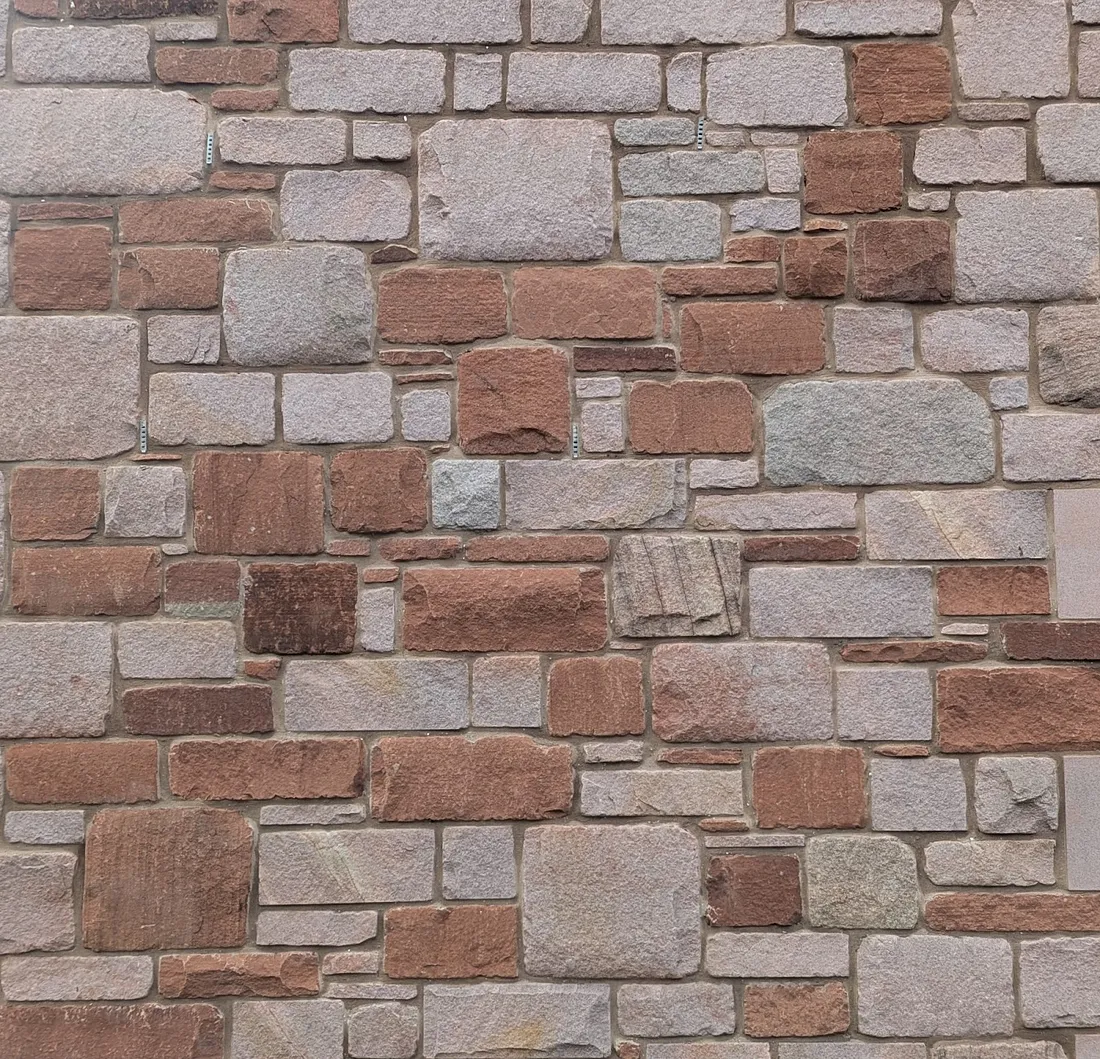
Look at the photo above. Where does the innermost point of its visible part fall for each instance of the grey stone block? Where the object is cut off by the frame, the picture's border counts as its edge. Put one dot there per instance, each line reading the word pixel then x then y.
pixel 1060 982
pixel 670 231
pixel 962 340
pixel 689 1009
pixel 77 977
pixel 662 792
pixel 559 21
pixel 444 22
pixel 426 415
pixel 692 173
pixel 990 863
pixel 283 141
pixel 299 305
pixel 383 1031
pixel 145 502
pixel 190 339
pixel 1067 338
pixel 918 794
pixel 391 81
pixel 376 621
pixel 346 206
pixel 479 863
pixel 791 954
pixel 478 81
pixel 679 21
pixel 768 215
pixel 862 882
pixel 872 340
pixel 37 910
pixel 337 407
pixel 877 433
pixel 177 650
pixel 971 156
pixel 534 189
pixel 466 494
pixel 321 927
pixel 777 511
pixel 282 1029
pixel 387 141
pixel 507 691
pixel 857 18
pixel 1016 795
pixel 888 703
pixel 57 827
pixel 212 408
pixel 589 82
pixel 80 54
pixel 654 132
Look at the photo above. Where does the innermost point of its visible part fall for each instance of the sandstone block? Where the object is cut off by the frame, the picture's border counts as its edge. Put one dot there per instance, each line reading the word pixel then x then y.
pixel 670 231
pixel 922 794
pixel 753 338
pixel 960 340
pixel 191 339
pixel 477 79
pixel 145 502
pixel 789 954
pixel 584 81
pixel 444 305
pixel 685 1010
pixel 267 1029
pixel 82 773
pixel 389 81
pixel 853 18
pixel 595 696
pixel 336 408
pixel 507 691
pixel 77 978
pixel 1016 795
pixel 972 156
pixel 238 974
pixel 907 260
pixel 691 173
pixel 384 1031
pixel 224 408
pixel 85 582
pixel 901 84
pixel 992 863
pixel 862 882
pixel 452 22
pixel 709 22
pixel 478 863
pixel 662 792
pixel 796 1010
pixel 876 704
pixel 464 941
pixel 853 172
pixel 54 503
pixel 56 827
pixel 872 340
pixel 282 141
pixel 321 928
pixel 62 268
pixel 1066 371
pixel 818 787
pixel 753 891
pixel 38 902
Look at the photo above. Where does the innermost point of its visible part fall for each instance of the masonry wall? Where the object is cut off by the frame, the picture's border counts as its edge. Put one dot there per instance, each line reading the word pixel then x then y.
pixel 550 528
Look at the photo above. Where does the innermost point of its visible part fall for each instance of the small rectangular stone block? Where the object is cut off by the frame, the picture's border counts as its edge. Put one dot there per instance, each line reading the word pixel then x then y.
pixel 800 954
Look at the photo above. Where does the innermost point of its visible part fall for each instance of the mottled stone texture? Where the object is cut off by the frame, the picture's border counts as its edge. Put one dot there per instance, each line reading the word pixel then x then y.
pixel 549 529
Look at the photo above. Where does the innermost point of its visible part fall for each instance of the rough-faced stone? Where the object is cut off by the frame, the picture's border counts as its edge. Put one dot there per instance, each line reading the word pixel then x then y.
pixel 990 863
pixel 676 586
pixel 384 1031
pixel 508 777
pixel 709 22
pixel 376 694
pixel 971 156
pixel 670 231
pixel 962 340
pixel 389 81
pixel 121 1031
pixel 238 974
pixel 596 696
pixel 37 911
pixel 1059 982
pixel 1068 135
pixel 166 879
pixel 779 84
pixel 56 827
pixel 515 190
pixel 55 679
pixel 283 141
pixel 273 1029
pixel 54 503
pixel 999 55
pixel 80 54
pixel 796 1010
pixel 345 867
pixel 960 524
pixel 857 18
pixel 97 772
pixel 1035 245
pixel 753 891
pixel 320 928
pixel 684 1010
pixel 299 305
pixel 224 408
pixel 884 704
pixel 85 372
pixel 464 941
pixel 379 491
pixel 520 609
pixel 908 261
pixel 688 416
pixel 443 305
pixel 300 608
pixel 284 21
pixel 264 503
pixel 864 882
pixel 1066 336
pixel 67 267
pixel 736 692
pixel 513 400
pixel 777 511
pixel 753 338
pixel 77 978
pixel 188 339
pixel 100 141
pixel 478 863
pixel 85 582
pixel 901 84
pixel 877 433
pixel 662 792
pixel 853 172
pixel 843 601
pixel 611 902
pixel 932 986
pixel 198 709
pixel 816 787
pixel 584 82
pixel 921 794
pixel 451 22
pixel 145 502
pixel 786 954
pixel 691 173
pixel 477 79
pixel 1016 795
pixel 347 206
pixel 566 1021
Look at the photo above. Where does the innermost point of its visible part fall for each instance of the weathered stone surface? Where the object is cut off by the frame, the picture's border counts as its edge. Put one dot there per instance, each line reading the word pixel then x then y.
pixel 478 863
pixel 990 863
pixel 513 400
pixel 301 305
pixel 1037 913
pixel 670 231
pixel 691 173
pixel 862 882
pixel 82 772
pixel 1043 448
pixel 817 787
pixel 676 586
pixel 753 891
pixel 853 172
pixel 192 408
pixel 465 941
pixel 932 986
pixel 430 778
pixel 877 704
pixel 709 22
pixel 356 207
pixel 283 141
pixel 145 502
pixel 85 373
pixel 583 81
pixel 998 56
pixel 595 696
pixel 100 141
pixel 387 141
pixel 901 84
pixel 54 503
pixel 872 340
pixel 262 769
pixel 80 54
pixel 121 1031
pixel 689 416
pixel 337 407
pixel 1068 134
pixel 345 867
pixel 426 415
pixel 903 260
pixel 37 913
pixel 590 911
pixel 300 608
pixel 1008 708
pixel 566 1021
pixel 662 792
pixel 825 602
pixel 166 879
pixel 780 84
pixel 238 974
pixel 921 794
pixel 515 190
pixel 559 21
pixel 273 1029
pixel 786 954
pixel 86 582
pixel 443 305
pixel 809 510
pixel 960 524
pixel 55 679
pixel 856 18
pixel 185 339
pixel 1035 245
pixel 796 1010
pixel 285 21
pixel 477 80
pixel 507 691
pixel 971 156
pixel 505 610
pixel 376 694
pixel 384 1031
pixel 452 22
pixel 198 709
pixel 390 81
pixel 77 978
pixel 877 433
pixel 66 267
pixel 56 827
pixel 1058 982
pixel 1066 336
pixel 315 927
pixel 687 1010
pixel 1016 795
pixel 737 692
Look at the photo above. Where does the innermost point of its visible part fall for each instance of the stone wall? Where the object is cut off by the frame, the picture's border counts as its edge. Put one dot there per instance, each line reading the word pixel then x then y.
pixel 550 528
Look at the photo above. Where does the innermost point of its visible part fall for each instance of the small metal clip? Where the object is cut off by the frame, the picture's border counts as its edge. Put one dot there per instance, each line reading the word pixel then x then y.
pixel 700 128
pixel 143 436
pixel 209 148
pixel 576 441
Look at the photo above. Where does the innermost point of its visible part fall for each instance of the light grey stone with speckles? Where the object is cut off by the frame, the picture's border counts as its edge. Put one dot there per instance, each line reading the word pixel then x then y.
pixel 964 340
pixel 190 339
pixel 333 407
pixel 790 954
pixel 868 18
pixel 604 82
pixel 689 1009
pixel 862 882
pixel 1016 795
pixel 990 863
pixel 918 794
pixel 479 863
pixel 691 172
pixel 80 54
pixel 466 494
pixel 77 977
pixel 321 927
pixel 442 22
pixel 177 650
pixel 388 81
pixel 37 911
pixel 383 1031
pixel 678 21
pixel 283 141
pixel 145 502
pixel 212 408
pixel 559 21
pixel 1060 982
pixel 357 206
pixel 279 1029
pixel 652 230
pixel 1068 337
pixel 56 827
